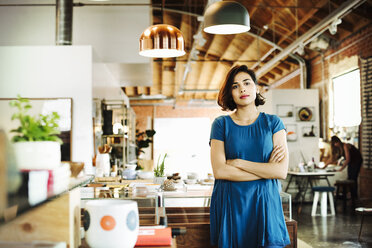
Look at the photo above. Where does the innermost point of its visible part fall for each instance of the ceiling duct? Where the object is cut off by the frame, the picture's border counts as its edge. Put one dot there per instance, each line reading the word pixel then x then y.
pixel 64 22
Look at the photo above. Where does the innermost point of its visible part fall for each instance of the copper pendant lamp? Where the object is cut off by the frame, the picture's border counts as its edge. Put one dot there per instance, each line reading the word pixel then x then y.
pixel 162 41
pixel 226 17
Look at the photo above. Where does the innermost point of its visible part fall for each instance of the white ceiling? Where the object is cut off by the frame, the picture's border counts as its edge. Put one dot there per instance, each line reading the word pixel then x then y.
pixel 112 31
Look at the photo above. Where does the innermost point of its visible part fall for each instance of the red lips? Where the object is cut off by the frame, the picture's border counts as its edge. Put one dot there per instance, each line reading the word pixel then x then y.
pixel 244 96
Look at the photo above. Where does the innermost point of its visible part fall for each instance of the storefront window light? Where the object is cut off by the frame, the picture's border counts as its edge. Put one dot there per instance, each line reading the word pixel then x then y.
pixel 346 90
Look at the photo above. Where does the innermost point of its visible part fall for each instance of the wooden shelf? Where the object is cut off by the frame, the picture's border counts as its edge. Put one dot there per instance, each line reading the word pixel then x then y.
pixel 56 219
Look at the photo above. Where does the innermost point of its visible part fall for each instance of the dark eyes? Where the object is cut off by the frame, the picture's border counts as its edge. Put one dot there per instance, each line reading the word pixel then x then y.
pixel 235 86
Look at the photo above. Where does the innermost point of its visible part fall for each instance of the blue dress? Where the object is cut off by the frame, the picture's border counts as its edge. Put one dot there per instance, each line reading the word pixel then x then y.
pixel 249 213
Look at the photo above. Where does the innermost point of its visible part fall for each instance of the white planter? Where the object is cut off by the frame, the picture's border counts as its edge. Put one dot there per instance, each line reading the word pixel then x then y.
pixel 159 180
pixel 31 155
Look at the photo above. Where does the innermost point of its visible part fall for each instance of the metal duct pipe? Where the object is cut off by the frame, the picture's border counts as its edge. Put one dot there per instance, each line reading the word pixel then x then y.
pixel 303 70
pixel 64 22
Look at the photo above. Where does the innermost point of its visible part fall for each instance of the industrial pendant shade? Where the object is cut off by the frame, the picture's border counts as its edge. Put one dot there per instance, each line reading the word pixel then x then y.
pixel 226 18
pixel 162 41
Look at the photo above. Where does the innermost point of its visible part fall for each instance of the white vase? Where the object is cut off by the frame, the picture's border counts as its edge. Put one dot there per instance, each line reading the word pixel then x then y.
pixel 39 155
pixel 111 223
pixel 103 164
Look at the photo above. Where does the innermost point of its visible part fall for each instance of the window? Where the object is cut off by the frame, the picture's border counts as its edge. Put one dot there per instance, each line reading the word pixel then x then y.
pixel 346 90
pixel 186 142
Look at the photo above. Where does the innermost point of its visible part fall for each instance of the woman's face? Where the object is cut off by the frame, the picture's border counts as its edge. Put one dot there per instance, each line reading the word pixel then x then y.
pixel 243 89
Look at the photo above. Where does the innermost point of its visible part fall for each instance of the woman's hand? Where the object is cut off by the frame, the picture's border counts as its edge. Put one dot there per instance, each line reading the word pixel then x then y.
pixel 277 154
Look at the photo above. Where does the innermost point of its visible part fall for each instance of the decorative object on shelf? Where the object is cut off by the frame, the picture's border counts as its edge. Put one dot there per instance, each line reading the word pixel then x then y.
pixel 305 114
pixel 76 168
pixel 143 140
pixel 36 144
pixel 107 127
pixel 309 131
pixel 103 165
pixel 226 18
pixel 159 171
pixel 111 223
pixel 291 132
pixel 284 110
pixel 162 41
pixel 169 185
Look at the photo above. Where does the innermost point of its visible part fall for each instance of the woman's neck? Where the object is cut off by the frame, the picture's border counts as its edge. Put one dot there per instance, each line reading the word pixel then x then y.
pixel 246 114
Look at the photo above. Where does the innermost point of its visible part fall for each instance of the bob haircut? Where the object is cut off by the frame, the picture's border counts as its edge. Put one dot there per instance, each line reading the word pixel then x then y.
pixel 225 99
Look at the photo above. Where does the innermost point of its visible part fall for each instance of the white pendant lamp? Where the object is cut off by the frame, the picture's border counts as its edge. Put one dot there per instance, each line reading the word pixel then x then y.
pixel 162 41
pixel 226 17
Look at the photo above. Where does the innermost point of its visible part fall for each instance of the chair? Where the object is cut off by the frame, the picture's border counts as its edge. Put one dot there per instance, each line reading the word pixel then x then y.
pixel 325 190
pixel 343 188
pixel 362 211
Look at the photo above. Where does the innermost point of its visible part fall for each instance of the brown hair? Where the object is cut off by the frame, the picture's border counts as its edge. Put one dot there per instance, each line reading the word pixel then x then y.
pixel 337 152
pixel 225 99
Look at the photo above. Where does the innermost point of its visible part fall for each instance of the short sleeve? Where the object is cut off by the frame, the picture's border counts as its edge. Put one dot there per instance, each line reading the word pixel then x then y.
pixel 276 124
pixel 217 130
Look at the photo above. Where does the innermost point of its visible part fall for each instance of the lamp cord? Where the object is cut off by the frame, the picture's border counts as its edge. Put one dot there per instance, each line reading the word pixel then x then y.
pixel 162 11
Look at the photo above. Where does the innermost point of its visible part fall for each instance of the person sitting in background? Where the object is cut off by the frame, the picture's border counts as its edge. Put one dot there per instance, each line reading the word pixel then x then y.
pixel 343 155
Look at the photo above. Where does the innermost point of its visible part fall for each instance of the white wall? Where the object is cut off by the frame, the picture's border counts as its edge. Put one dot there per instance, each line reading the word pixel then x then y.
pixel 54 71
pixel 309 146
pixel 112 31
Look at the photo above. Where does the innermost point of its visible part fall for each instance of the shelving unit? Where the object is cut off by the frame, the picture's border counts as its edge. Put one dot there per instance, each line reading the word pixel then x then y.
pixel 122 139
pixel 57 219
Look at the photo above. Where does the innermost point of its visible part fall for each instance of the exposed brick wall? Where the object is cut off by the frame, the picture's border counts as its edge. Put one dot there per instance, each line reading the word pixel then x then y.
pixel 358 44
pixel 183 111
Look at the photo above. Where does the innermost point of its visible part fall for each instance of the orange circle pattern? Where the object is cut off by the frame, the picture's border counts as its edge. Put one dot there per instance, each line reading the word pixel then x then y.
pixel 108 223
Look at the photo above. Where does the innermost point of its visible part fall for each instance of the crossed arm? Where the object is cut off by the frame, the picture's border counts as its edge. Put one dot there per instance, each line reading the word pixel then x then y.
pixel 243 170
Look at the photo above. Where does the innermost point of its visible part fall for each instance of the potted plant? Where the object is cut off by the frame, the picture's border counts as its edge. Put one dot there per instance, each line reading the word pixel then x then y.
pixel 36 144
pixel 159 176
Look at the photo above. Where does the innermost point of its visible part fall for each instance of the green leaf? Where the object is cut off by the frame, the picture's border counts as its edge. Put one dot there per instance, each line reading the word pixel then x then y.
pixel 42 128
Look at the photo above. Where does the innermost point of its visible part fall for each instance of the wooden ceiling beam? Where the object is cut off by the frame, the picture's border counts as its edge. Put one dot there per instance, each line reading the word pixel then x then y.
pixel 345 25
pixel 193 75
pixel 180 69
pixel 251 6
pixel 264 79
pixel 270 75
pixel 284 66
pixel 363 11
pixel 236 47
pixel 208 69
pixel 219 45
pixel 218 78
pixel 130 91
pixel 303 19
pixel 156 77
pixel 168 78
pixel 277 70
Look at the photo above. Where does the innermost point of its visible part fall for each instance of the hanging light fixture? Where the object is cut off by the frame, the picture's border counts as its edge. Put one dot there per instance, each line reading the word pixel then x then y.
pixel 162 41
pixel 226 18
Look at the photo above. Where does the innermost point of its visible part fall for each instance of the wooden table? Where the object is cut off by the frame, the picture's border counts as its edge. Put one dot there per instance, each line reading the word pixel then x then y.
pixel 304 180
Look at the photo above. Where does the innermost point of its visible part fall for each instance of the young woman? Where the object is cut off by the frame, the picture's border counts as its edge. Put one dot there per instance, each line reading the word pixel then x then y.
pixel 248 154
pixel 352 159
